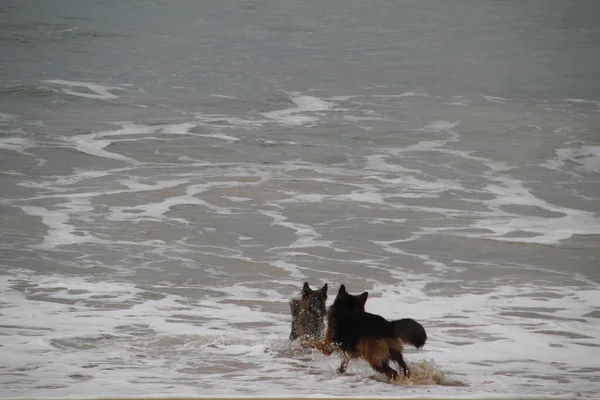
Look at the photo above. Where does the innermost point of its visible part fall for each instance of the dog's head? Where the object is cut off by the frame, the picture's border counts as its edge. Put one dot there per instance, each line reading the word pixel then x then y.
pixel 308 313
pixel 349 302
pixel 314 300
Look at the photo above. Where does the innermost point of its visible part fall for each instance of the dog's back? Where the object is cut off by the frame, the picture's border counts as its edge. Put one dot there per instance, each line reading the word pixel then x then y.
pixel 308 314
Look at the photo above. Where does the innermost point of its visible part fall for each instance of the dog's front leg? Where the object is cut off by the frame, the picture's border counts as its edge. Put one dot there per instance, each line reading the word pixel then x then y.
pixel 323 346
pixel 345 360
pixel 326 345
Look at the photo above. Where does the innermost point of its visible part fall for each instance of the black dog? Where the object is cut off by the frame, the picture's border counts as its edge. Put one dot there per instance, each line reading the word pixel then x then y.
pixel 359 334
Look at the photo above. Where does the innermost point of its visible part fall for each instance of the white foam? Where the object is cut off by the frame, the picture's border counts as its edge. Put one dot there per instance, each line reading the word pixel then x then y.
pixel 76 206
pixel 98 91
pixel 377 162
pixel 354 118
pixel 91 145
pixel 216 121
pixel 17 144
pixel 222 96
pixel 179 129
pixel 184 129
pixel 292 269
pixel 95 143
pixel 363 197
pixel 222 136
pixel 595 102
pixel 310 103
pixel 495 99
pixel 304 198
pixel 57 183
pixel 5 117
pixel 69 29
pixel 547 230
pixel 306 235
pixel 158 210
pixel 586 157
pixel 295 117
pixel 238 199
pixel 434 145
pixel 506 191
pixel 341 98
pixel 401 95
pixel 288 117
pixel 57 327
pixel 60 232
pixel 440 126
pixel 136 186
pixel 131 129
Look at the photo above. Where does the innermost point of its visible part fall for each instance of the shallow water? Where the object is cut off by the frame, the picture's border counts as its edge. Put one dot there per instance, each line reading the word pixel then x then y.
pixel 172 174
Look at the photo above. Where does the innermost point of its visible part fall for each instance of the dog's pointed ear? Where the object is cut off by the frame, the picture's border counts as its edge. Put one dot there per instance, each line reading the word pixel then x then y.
pixel 342 290
pixel 363 298
pixel 306 289
pixel 324 289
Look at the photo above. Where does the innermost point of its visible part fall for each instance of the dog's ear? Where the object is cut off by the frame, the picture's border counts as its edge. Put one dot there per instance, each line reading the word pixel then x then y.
pixel 342 290
pixel 324 289
pixel 306 289
pixel 363 298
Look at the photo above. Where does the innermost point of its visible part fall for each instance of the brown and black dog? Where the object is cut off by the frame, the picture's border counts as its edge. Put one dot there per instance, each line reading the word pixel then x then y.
pixel 359 334
pixel 308 314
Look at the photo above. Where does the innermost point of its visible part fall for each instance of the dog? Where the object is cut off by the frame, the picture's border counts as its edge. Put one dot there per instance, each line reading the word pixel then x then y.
pixel 359 334
pixel 308 314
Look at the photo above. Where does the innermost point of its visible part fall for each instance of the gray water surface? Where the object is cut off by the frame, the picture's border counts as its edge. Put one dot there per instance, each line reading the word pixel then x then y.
pixel 172 172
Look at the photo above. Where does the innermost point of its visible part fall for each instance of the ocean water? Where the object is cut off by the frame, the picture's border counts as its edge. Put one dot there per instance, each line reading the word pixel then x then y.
pixel 173 171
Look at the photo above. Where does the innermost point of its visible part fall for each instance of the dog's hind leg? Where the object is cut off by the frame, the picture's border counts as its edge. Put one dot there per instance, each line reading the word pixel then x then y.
pixel 397 357
pixel 376 353
pixel 384 368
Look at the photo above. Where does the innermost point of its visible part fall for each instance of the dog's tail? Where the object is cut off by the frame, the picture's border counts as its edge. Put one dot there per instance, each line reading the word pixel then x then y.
pixel 410 331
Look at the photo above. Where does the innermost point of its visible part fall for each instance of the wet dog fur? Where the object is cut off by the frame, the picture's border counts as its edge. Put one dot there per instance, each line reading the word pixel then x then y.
pixel 308 314
pixel 359 334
